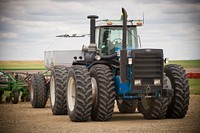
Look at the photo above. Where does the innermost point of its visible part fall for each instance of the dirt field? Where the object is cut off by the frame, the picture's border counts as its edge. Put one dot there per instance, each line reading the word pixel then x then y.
pixel 22 118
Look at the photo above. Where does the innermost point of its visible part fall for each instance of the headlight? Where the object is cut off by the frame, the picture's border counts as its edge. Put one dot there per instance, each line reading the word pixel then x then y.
pixel 157 82
pixel 137 82
pixel 118 53
pixel 129 61
pixel 97 57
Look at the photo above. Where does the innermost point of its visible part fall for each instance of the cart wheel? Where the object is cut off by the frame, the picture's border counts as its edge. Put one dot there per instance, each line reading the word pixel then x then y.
pixel 15 97
pixel 23 98
pixel 0 99
pixel 28 98
pixel 7 99
pixel 1 93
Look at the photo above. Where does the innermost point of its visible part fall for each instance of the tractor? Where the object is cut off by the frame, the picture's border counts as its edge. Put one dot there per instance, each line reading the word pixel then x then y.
pixel 85 83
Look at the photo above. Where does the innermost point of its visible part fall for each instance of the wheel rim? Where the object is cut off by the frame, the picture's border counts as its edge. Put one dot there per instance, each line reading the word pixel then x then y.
pixel 32 93
pixel 94 91
pixel 71 94
pixel 52 91
pixel 169 84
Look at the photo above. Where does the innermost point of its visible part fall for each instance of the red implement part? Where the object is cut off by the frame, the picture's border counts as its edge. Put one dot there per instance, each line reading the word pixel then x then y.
pixel 29 85
pixel 193 75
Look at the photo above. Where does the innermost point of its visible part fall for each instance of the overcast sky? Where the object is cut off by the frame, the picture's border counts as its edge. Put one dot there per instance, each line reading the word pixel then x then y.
pixel 28 27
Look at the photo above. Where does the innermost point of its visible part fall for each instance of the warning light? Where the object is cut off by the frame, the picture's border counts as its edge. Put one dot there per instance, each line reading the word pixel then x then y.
pixel 139 23
pixel 109 23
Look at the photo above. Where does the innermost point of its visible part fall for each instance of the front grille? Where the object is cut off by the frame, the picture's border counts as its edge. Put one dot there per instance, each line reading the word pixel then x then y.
pixel 147 65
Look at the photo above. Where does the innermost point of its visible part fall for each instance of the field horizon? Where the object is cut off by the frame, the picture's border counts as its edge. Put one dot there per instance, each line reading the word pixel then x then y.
pixel 39 64
pixel 22 64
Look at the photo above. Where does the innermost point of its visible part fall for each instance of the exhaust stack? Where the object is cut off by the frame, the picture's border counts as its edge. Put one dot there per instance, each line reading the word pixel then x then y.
pixel 123 52
pixel 124 28
pixel 92 28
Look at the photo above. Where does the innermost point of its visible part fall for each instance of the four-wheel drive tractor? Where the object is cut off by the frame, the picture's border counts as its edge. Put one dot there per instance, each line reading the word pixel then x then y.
pixel 85 83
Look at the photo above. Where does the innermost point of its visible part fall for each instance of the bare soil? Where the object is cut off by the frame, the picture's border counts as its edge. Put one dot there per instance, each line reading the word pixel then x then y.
pixel 22 118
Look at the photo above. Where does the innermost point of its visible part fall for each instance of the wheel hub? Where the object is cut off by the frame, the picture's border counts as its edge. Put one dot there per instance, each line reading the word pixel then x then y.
pixel 71 94
pixel 94 91
pixel 52 91
pixel 32 93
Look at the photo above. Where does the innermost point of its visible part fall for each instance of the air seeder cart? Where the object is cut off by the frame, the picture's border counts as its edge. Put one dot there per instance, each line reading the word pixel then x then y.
pixel 15 83
pixel 85 84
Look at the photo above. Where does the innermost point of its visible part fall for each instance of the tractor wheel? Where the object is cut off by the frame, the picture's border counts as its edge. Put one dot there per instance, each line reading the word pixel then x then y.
pixel 180 101
pixel 79 94
pixel 127 106
pixel 58 90
pixel 39 93
pixel 15 97
pixel 155 108
pixel 103 92
pixel 8 99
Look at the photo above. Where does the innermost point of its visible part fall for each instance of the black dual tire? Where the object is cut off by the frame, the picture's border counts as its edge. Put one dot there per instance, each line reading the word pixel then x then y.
pixel 155 108
pixel 127 106
pixel 38 91
pixel 180 101
pixel 79 94
pixel 58 84
pixel 103 96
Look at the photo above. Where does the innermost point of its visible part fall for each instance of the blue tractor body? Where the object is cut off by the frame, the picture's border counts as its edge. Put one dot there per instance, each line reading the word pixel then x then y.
pixel 142 68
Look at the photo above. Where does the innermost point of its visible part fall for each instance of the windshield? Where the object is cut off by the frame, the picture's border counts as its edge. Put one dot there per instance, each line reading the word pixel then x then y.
pixel 110 39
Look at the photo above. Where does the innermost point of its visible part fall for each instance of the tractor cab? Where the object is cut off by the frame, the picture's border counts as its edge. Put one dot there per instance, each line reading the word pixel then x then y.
pixel 109 35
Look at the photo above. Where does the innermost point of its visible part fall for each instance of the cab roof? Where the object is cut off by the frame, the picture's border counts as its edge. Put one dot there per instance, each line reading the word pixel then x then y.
pixel 107 22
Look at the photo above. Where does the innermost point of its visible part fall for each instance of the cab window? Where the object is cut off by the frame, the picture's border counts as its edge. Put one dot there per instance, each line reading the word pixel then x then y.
pixel 111 39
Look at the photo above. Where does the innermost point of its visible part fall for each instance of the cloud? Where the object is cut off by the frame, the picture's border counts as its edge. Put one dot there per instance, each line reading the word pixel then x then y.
pixel 168 1
pixel 33 25
pixel 71 1
pixel 185 1
pixel 8 35
pixel 181 9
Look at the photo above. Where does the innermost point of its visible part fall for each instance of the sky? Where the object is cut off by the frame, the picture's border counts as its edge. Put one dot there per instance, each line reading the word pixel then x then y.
pixel 28 27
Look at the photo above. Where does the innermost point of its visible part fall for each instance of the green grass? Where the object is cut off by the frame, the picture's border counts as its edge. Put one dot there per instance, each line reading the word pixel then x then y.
pixel 22 65
pixel 186 63
pixel 194 86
